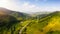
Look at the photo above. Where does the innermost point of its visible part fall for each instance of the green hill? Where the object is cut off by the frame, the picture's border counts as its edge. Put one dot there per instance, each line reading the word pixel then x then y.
pixel 10 21
pixel 50 24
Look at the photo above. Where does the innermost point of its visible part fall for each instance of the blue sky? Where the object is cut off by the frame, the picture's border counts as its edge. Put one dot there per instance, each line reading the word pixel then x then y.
pixel 31 5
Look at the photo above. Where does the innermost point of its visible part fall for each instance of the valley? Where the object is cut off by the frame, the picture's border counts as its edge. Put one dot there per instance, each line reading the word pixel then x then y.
pixel 12 22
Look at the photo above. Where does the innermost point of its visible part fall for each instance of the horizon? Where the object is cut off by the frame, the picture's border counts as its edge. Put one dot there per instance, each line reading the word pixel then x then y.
pixel 31 5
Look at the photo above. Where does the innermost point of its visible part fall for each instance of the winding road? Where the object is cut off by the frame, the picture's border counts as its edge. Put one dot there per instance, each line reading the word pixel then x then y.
pixel 28 22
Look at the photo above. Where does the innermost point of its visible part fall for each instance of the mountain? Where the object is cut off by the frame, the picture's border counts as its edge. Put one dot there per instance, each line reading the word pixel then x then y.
pixel 10 21
pixel 14 22
pixel 9 16
pixel 14 13
pixel 50 24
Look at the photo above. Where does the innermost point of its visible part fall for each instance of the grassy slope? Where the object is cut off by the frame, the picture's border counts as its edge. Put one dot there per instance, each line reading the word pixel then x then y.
pixel 44 25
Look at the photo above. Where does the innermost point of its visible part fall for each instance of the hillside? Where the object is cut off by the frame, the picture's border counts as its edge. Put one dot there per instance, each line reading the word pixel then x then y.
pixel 50 24
pixel 10 21
pixel 16 14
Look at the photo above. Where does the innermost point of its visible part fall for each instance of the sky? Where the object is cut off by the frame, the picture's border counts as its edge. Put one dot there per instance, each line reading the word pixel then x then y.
pixel 31 5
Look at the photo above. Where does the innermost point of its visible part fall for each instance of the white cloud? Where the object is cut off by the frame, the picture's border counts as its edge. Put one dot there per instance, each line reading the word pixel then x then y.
pixel 6 3
pixel 25 7
pixel 28 7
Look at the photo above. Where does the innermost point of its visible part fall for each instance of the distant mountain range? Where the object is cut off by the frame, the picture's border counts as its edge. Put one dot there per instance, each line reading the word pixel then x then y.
pixel 21 14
